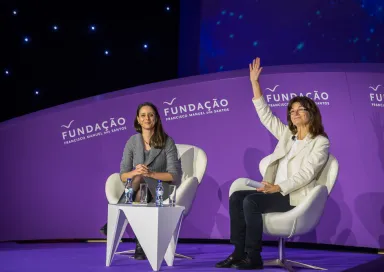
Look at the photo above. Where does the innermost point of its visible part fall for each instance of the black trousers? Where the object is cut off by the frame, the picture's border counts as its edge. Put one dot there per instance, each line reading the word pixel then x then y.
pixel 245 211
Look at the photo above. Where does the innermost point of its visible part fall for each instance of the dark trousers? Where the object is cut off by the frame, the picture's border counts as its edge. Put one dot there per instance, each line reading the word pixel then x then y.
pixel 245 211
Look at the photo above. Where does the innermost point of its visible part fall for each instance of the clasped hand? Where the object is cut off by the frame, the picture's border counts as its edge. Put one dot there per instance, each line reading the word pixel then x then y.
pixel 269 188
pixel 142 169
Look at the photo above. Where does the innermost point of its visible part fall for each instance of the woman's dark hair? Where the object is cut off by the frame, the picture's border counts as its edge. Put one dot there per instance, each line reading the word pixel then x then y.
pixel 315 123
pixel 159 136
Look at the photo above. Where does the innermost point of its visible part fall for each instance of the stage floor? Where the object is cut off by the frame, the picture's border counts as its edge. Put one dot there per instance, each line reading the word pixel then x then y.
pixel 74 257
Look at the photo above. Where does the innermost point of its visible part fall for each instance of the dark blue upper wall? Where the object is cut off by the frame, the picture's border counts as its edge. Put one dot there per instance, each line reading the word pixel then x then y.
pixel 189 42
pixel 223 35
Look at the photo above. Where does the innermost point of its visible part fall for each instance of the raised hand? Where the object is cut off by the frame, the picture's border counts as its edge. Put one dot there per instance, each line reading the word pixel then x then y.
pixel 254 73
pixel 255 70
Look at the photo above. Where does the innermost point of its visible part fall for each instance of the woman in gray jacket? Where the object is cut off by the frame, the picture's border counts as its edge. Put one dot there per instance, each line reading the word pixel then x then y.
pixel 149 156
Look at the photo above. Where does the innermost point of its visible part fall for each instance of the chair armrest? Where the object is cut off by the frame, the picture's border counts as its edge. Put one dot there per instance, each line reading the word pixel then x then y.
pixel 114 188
pixel 240 184
pixel 301 219
pixel 186 193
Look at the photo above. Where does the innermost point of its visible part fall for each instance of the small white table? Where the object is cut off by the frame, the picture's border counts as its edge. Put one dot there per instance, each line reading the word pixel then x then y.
pixel 157 229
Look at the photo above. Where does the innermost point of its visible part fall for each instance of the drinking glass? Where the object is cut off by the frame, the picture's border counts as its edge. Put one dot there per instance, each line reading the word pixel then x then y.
pixel 172 195
pixel 143 193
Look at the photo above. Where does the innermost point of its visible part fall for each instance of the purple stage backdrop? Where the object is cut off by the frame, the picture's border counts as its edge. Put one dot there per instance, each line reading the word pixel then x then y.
pixel 52 178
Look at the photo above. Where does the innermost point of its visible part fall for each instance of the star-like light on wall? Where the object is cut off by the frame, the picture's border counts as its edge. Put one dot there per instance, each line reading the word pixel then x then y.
pixel 55 28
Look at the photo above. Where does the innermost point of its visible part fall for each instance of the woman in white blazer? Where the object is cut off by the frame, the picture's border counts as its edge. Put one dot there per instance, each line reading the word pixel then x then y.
pixel 300 155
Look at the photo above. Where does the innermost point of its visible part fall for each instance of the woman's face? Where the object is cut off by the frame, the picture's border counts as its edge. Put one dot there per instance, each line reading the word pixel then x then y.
pixel 299 115
pixel 147 118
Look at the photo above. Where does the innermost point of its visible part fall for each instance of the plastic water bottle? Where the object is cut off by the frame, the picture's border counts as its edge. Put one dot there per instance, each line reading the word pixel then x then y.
pixel 159 194
pixel 128 192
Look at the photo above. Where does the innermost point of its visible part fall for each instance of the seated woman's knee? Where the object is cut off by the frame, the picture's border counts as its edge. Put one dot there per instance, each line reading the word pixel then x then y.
pixel 237 196
pixel 250 201
pixel 137 180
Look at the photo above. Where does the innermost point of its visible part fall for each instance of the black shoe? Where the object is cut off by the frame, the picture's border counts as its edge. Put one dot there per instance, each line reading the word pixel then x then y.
pixel 249 264
pixel 228 262
pixel 139 252
pixel 103 230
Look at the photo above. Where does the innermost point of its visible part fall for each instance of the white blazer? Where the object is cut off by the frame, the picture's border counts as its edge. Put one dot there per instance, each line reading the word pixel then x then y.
pixel 306 163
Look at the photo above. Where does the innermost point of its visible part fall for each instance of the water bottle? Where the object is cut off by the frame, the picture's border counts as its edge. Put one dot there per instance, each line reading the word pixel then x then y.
pixel 128 192
pixel 159 194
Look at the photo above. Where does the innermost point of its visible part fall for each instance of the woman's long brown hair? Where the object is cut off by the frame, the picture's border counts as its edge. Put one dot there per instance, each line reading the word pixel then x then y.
pixel 159 136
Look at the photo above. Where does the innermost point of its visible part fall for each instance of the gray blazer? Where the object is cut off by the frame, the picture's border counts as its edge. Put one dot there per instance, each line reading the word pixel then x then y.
pixel 159 160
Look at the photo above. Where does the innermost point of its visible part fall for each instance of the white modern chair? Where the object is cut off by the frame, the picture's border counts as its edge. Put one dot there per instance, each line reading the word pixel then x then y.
pixel 301 219
pixel 193 164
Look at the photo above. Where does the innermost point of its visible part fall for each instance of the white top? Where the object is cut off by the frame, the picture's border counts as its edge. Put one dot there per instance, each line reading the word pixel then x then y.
pixel 282 170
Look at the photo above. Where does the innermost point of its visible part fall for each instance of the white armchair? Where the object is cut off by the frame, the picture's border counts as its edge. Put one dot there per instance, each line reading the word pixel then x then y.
pixel 193 164
pixel 301 219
